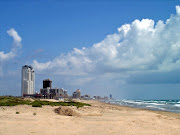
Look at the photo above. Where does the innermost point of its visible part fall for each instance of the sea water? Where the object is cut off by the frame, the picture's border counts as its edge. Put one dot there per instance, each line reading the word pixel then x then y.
pixel 163 105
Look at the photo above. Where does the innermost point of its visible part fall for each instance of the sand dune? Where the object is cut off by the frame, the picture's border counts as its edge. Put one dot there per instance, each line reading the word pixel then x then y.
pixel 98 119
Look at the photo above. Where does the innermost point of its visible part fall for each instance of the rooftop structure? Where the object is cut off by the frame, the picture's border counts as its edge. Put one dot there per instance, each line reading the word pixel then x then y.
pixel 47 83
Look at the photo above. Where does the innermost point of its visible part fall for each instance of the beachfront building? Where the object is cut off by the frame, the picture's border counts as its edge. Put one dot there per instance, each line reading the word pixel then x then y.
pixel 74 95
pixel 110 96
pixel 28 80
pixel 50 93
pixel 65 94
pixel 77 94
pixel 61 92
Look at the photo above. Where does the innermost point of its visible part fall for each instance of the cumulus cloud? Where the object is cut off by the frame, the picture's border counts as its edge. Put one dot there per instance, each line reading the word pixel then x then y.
pixel 16 37
pixel 13 52
pixel 6 56
pixel 142 46
pixel 17 44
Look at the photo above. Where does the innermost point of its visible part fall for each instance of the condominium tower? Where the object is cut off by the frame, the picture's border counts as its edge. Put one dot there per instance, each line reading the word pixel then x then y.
pixel 28 80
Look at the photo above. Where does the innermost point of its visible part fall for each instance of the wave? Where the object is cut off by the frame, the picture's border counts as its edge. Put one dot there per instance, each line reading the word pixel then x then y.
pixel 177 105
pixel 155 107
pixel 164 105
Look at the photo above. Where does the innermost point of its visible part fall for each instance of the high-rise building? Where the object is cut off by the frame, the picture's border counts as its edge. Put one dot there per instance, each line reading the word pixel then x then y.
pixel 47 83
pixel 65 94
pixel 77 94
pixel 61 92
pixel 28 80
pixel 74 95
pixel 110 96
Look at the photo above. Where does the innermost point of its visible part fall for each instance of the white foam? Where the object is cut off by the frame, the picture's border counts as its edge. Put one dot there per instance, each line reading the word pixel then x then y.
pixel 132 101
pixel 155 104
pixel 155 107
pixel 177 105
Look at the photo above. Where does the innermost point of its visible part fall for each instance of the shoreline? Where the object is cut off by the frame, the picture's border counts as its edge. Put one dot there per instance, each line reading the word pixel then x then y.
pixel 156 105
pixel 173 114
pixel 98 119
pixel 163 112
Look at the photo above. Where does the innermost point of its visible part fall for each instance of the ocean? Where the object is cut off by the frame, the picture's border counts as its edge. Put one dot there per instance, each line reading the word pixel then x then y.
pixel 161 105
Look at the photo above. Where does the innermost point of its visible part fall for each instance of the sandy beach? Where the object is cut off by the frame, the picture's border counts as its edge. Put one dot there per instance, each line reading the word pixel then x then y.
pixel 98 119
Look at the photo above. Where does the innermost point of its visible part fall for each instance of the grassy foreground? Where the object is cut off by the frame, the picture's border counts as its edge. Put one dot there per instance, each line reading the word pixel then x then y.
pixel 12 101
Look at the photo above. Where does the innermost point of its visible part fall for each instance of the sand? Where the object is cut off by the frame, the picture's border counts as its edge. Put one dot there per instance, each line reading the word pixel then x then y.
pixel 98 119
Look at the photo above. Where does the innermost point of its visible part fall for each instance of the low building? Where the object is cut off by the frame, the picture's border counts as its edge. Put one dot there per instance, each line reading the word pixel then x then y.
pixel 50 93
pixel 86 97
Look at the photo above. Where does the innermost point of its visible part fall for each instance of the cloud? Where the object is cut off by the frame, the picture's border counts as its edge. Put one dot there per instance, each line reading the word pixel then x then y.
pixel 17 44
pixel 16 37
pixel 10 55
pixel 6 56
pixel 140 47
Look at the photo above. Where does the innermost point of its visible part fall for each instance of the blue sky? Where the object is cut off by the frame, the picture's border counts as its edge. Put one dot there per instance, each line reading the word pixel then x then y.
pixel 83 44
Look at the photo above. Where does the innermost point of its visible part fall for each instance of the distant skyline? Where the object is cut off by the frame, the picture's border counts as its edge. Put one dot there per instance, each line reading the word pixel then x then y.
pixel 130 49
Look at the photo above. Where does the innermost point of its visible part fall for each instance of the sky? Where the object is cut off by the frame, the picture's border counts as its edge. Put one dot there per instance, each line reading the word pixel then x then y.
pixel 127 48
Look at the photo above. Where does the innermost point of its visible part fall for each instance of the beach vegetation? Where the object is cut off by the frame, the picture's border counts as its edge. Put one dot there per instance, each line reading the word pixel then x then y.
pixel 36 104
pixel 67 103
pixel 17 112
pixel 13 101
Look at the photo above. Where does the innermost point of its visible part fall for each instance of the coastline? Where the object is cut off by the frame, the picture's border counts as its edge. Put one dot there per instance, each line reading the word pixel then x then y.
pixel 163 112
pixel 99 119
pixel 158 105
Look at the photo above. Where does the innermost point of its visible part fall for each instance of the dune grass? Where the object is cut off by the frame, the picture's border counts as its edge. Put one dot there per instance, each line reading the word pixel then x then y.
pixel 13 101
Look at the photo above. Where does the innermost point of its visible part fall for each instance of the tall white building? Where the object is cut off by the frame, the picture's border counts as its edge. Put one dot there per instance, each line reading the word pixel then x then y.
pixel 28 80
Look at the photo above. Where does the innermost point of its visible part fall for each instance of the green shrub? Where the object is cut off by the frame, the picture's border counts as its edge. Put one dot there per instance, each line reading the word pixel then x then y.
pixel 36 104
pixel 17 112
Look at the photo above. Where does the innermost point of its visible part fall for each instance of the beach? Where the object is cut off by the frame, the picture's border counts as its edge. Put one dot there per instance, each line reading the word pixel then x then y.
pixel 98 119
